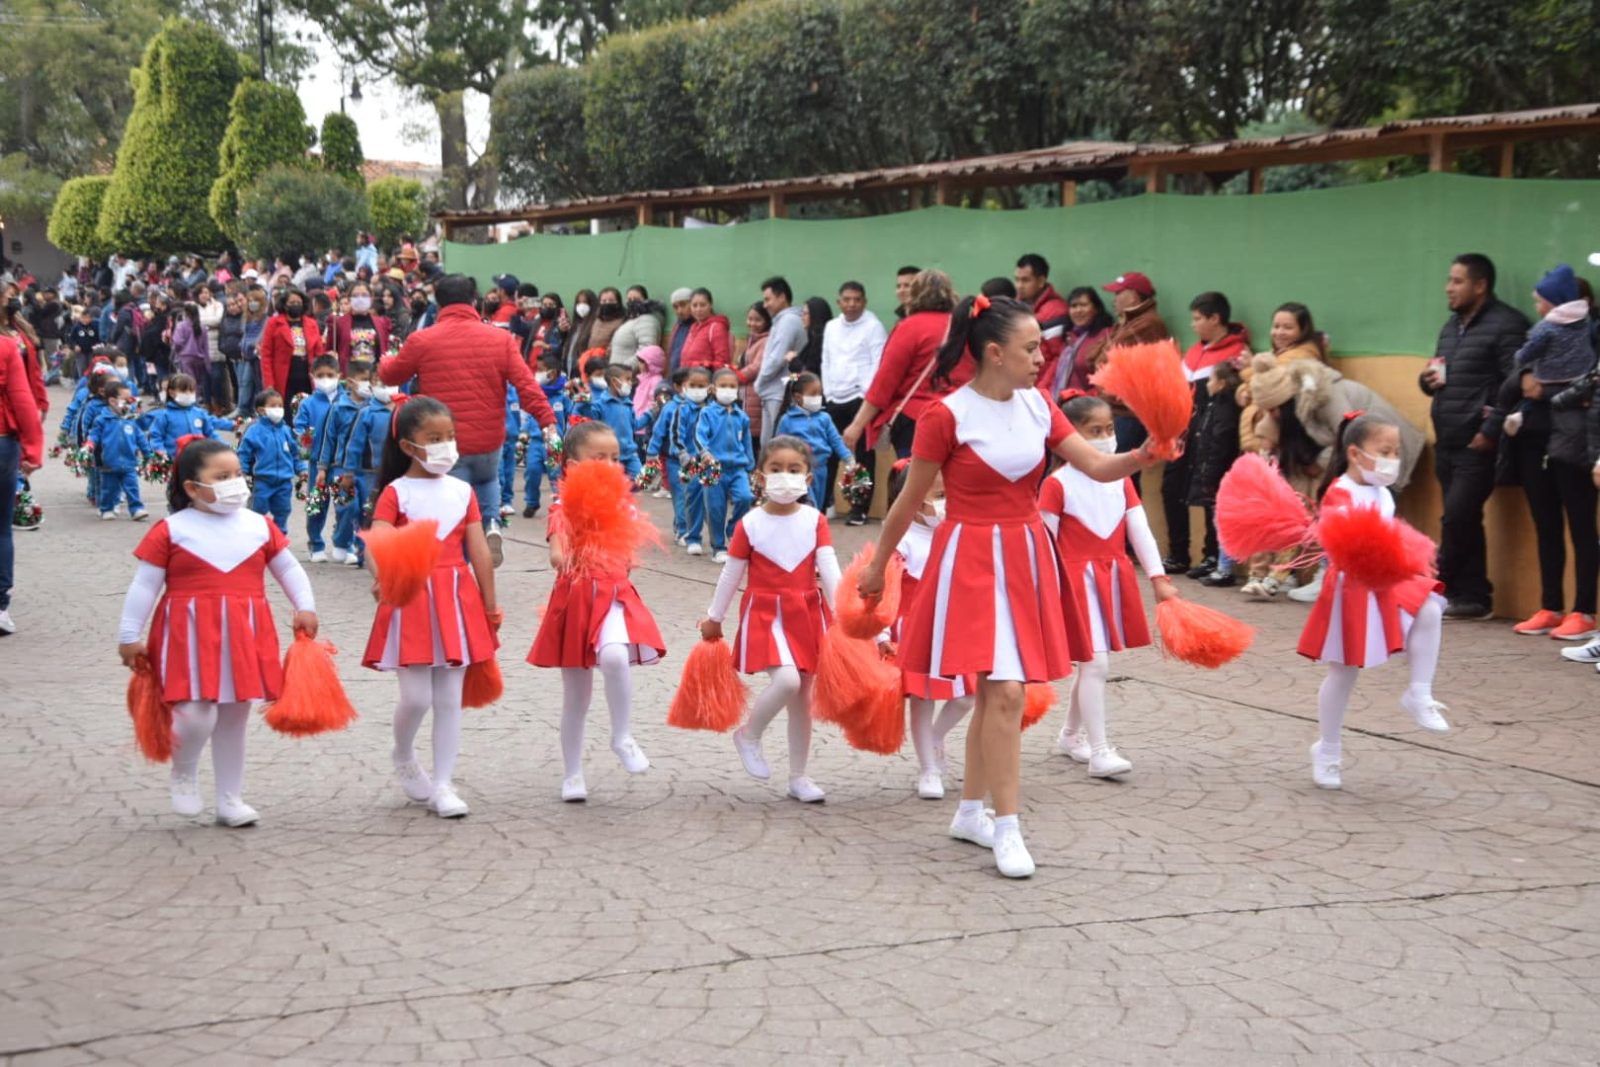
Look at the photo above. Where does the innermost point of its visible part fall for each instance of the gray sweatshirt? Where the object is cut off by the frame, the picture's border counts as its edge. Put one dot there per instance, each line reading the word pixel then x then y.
pixel 787 335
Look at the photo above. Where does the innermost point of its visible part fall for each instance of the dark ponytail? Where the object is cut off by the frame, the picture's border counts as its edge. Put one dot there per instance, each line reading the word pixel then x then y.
pixel 402 424
pixel 1354 429
pixel 970 336
pixel 791 392
pixel 192 456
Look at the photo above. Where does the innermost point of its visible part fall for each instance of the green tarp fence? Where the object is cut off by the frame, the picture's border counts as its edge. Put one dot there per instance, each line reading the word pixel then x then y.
pixel 1369 260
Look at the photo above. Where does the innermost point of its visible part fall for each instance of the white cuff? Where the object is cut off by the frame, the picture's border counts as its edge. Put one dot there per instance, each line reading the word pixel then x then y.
pixel 828 570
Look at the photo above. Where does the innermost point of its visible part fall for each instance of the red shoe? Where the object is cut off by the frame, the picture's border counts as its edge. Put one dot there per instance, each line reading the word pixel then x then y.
pixel 1541 623
pixel 1575 627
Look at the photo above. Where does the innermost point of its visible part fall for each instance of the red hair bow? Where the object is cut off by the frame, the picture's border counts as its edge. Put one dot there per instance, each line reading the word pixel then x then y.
pixel 184 442
pixel 1356 414
pixel 1072 394
pixel 980 304
pixel 396 403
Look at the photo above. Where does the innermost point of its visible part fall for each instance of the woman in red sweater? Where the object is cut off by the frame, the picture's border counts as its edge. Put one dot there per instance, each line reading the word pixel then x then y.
pixel 290 341
pixel 21 452
pixel 709 343
pixel 903 387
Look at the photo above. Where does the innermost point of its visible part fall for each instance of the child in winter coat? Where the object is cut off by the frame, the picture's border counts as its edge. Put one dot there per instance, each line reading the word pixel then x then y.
pixel 803 416
pixel 270 457
pixel 723 434
pixel 118 444
pixel 180 417
pixel 613 405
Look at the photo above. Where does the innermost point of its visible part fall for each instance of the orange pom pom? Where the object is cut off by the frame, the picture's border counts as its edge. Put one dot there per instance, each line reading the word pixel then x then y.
pixel 1200 635
pixel 403 557
pixel 844 666
pixel 1257 511
pixel 710 695
pixel 866 619
pixel 313 700
pixel 598 529
pixel 1149 379
pixel 1037 700
pixel 152 716
pixel 1367 547
pixel 878 720
pixel 483 684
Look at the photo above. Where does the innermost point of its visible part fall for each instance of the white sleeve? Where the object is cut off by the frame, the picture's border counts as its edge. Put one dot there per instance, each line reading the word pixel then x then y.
pixel 727 585
pixel 828 570
pixel 293 578
pixel 143 592
pixel 1144 543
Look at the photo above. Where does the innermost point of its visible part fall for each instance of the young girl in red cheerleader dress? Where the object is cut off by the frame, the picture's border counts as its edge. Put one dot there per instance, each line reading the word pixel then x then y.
pixel 1351 626
pixel 991 606
pixel 212 641
pixel 431 641
pixel 787 550
pixel 1093 522
pixel 594 623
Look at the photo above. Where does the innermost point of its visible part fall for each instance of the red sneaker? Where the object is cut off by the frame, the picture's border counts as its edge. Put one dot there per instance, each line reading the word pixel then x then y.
pixel 1575 627
pixel 1542 622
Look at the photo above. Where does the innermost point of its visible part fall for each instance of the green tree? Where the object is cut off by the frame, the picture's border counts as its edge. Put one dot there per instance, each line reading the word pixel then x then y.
pixel 292 209
pixel 75 217
pixel 536 123
pixel 638 118
pixel 266 128
pixel 341 147
pixel 169 156
pixel 26 192
pixel 578 26
pixel 399 206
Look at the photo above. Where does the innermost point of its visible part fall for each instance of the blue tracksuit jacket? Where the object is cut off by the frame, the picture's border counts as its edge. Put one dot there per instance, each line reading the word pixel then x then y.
pixel 166 424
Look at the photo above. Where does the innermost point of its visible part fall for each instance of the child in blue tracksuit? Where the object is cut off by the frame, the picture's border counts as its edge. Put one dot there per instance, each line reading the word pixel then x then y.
pixel 723 432
pixel 661 437
pixel 311 431
pixel 80 416
pixel 554 384
pixel 804 417
pixel 363 453
pixel 270 456
pixel 179 417
pixel 614 407
pixel 329 457
pixel 118 443
pixel 696 388
pixel 508 455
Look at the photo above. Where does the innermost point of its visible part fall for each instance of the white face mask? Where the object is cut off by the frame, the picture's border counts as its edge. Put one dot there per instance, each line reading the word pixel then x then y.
pixel 272 414
pixel 361 304
pixel 231 495
pixel 727 396
pixel 812 404
pixel 935 513
pixel 363 389
pixel 383 393
pixel 598 381
pixel 183 400
pixel 625 389
pixel 543 377
pixel 1385 470
pixel 696 393
pixel 786 488
pixel 327 386
pixel 1107 445
pixel 440 457
pixel 582 310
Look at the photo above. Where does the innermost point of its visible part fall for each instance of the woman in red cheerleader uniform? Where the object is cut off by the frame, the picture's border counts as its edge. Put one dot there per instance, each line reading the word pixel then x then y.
pixel 1093 522
pixel 212 642
pixel 594 622
pixel 990 605
pixel 431 641
pixel 787 549
pixel 1352 626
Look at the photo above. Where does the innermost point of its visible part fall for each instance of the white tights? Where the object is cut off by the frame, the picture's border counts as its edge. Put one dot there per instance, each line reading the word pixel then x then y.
pixel 928 731
pixel 194 722
pixel 420 689
pixel 792 689
pixel 1087 708
pixel 577 690
pixel 1422 652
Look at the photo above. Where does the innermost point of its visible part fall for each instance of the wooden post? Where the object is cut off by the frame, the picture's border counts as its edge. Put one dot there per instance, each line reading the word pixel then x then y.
pixel 447 229
pixel 777 206
pixel 1154 181
pixel 1257 180
pixel 1069 194
pixel 1438 158
pixel 644 216
pixel 941 192
pixel 1508 160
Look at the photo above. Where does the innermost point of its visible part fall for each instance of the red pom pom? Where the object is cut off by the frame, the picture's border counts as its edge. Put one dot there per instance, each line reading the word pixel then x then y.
pixel 483 684
pixel 1200 635
pixel 403 557
pixel 152 716
pixel 1257 511
pixel 1149 379
pixel 1037 700
pixel 1367 547
pixel 866 619
pixel 598 529
pixel 850 674
pixel 313 700
pixel 878 721
pixel 1422 554
pixel 710 695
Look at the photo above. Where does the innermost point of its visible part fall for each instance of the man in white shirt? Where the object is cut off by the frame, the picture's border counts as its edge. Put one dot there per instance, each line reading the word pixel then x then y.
pixel 852 345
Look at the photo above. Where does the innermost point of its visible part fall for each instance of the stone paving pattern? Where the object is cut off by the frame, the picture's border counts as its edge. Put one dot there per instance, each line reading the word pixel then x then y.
pixel 1213 908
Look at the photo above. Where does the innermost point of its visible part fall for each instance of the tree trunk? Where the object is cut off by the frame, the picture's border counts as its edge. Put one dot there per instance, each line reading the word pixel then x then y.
pixel 453 161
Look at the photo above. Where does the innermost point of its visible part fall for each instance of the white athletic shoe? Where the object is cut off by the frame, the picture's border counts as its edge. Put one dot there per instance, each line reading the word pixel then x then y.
pixel 662 494
pixel 140 516
pixel 930 785
pixel 233 812
pixel 694 549
pixel 1074 744
pixel 108 516
pixel 445 804
pixel 319 556
pixel 337 554
pixel 186 795
pixel 506 511
pixel 680 541
pixel 1011 855
pixel 749 748
pixel 7 626
pixel 1307 594
pixel 977 828
pixel 497 547
pixel 1426 712
pixel 719 556
pixel 414 780
pixel 805 790
pixel 1107 762
pixel 1324 771
pixel 1589 653
pixel 1252 588
pixel 634 761
pixel 352 559
pixel 574 789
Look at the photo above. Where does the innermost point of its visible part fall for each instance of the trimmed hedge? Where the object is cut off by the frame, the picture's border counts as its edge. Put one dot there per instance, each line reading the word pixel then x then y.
pixel 292 211
pixel 639 120
pixel 266 128
pixel 536 133
pixel 75 218
pixel 399 206
pixel 341 148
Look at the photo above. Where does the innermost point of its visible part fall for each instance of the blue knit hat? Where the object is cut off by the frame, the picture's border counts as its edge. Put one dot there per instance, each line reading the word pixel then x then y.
pixel 1559 285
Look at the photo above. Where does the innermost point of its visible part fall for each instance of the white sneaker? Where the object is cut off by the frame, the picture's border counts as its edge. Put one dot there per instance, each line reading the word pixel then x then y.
pixel 1011 855
pixel 805 790
pixel 186 795
pixel 233 812
pixel 1252 588
pixel 1075 744
pixel 1107 762
pixel 1271 587
pixel 319 556
pixel 506 511
pixel 140 516
pixel 634 761
pixel 1307 594
pixel 749 748
pixel 445 804
pixel 574 789
pixel 352 559
pixel 930 786
pixel 108 516
pixel 1425 710
pixel 662 494
pixel 6 625
pixel 694 549
pixel 337 554
pixel 977 828
pixel 1589 653
pixel 497 548
pixel 1324 771
pixel 414 780
pixel 680 541
pixel 719 556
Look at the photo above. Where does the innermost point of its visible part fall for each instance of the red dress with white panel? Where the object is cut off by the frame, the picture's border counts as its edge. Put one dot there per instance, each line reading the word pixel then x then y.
pixel 913 552
pixel 992 602
pixel 588 611
pixel 1351 623
pixel 211 635
pixel 783 614
pixel 444 625
pixel 1104 610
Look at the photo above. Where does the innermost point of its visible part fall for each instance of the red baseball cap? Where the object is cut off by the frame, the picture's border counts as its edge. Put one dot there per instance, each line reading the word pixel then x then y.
pixel 1132 280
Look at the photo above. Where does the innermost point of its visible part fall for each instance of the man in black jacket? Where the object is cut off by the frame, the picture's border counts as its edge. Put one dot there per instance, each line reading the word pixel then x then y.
pixel 1473 356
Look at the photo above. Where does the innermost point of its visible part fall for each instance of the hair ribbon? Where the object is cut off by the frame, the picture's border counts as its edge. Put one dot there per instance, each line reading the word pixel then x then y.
pixel 980 304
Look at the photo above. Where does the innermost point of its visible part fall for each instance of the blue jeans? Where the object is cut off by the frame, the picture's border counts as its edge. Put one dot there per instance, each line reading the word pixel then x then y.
pixel 348 517
pixel 481 470
pixel 533 476
pixel 10 460
pixel 726 502
pixel 315 524
pixel 114 485
pixel 247 373
pixel 273 496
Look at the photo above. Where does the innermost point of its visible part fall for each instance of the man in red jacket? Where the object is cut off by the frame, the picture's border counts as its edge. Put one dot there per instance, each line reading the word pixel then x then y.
pixel 1032 278
pixel 21 452
pixel 466 364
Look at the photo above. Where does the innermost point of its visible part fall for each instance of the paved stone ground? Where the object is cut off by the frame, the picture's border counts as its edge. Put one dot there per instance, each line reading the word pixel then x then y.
pixel 1213 908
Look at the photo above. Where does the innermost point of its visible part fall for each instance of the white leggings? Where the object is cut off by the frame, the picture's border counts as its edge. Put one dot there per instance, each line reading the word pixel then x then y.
pixel 1087 708
pixel 420 689
pixel 194 722
pixel 577 690
pixel 928 731
pixel 789 688
pixel 1422 652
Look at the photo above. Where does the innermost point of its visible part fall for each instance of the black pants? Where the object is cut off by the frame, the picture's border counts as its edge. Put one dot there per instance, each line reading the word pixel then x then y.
pixel 1175 485
pixel 1553 488
pixel 842 415
pixel 902 431
pixel 1130 435
pixel 1466 478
